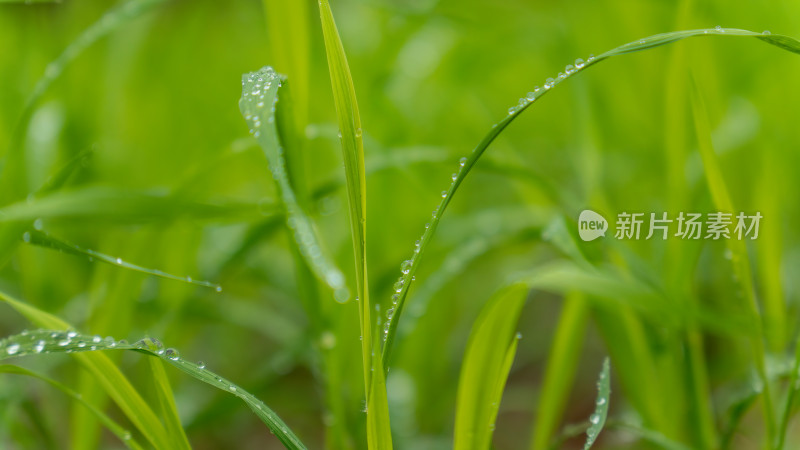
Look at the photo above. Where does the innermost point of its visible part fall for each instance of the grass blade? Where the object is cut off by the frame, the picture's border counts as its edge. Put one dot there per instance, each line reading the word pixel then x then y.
pixel 344 96
pixel 113 427
pixel 487 360
pixel 81 345
pixel 409 267
pixel 790 396
pixel 166 400
pixel 43 239
pixel 560 372
pixel 737 249
pixel 598 418
pixel 108 376
pixel 259 98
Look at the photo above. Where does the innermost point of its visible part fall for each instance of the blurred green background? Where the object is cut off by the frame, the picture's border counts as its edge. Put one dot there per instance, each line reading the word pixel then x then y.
pixel 156 104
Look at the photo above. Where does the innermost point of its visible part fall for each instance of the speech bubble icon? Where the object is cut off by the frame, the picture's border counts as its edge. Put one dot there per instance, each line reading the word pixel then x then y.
pixel 591 225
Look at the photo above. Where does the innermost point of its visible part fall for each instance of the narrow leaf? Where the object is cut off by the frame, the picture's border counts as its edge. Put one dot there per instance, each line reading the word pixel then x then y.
pixel 598 418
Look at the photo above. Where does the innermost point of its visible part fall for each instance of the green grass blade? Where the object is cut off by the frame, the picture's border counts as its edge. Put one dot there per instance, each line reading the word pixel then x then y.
pixel 123 434
pixel 598 418
pixel 166 400
pixel 80 345
pixel 108 376
pixel 737 249
pixel 561 365
pixel 258 102
pixel 43 239
pixel 409 268
pixel 344 96
pixel 487 360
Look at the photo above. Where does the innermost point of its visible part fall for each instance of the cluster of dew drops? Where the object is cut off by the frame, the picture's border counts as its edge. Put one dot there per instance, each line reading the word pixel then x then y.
pixel 263 82
pixel 549 83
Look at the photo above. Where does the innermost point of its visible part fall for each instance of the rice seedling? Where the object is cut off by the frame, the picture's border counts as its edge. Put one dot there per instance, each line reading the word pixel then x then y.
pixel 697 333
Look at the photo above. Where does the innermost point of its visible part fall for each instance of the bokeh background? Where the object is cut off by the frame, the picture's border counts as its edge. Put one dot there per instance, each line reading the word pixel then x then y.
pixel 155 106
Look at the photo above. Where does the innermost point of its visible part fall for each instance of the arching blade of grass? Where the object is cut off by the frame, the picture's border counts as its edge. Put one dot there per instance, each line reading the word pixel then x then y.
pixel 43 239
pixel 79 345
pixel 12 180
pixel 409 268
pixel 487 361
pixel 113 427
pixel 598 418
pixel 108 376
pixel 738 251
pixel 344 96
pixel 258 102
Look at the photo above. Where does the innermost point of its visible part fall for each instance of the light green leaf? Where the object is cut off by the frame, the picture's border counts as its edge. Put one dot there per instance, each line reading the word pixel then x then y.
pixel 487 361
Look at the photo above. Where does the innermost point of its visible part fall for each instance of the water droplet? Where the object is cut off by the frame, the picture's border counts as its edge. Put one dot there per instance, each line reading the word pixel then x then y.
pixel 64 342
pixel 462 161
pixel 579 63
pixel 766 32
pixel 172 354
pixel 719 29
pixel 38 224
pixel 601 401
pixel 389 313
pixel 549 83
pixel 26 236
pixel 119 260
pixel 512 110
pixel 12 349
pixel 218 288
pixel 561 75
pixel 260 104
pixel 232 388
pixel 96 339
pixel 453 177
pixel 590 59
pixel 201 365
pixel 594 419
pixel 444 195
pixel 531 96
pixel 39 347
pixel 71 334
pixel 518 335
pixel 405 267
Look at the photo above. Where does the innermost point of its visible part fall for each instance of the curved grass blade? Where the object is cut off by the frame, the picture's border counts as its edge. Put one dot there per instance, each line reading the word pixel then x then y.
pixel 43 239
pixel 111 20
pixel 259 97
pixel 487 361
pixel 123 434
pixel 108 376
pixel 598 418
pixel 466 163
pixel 55 341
